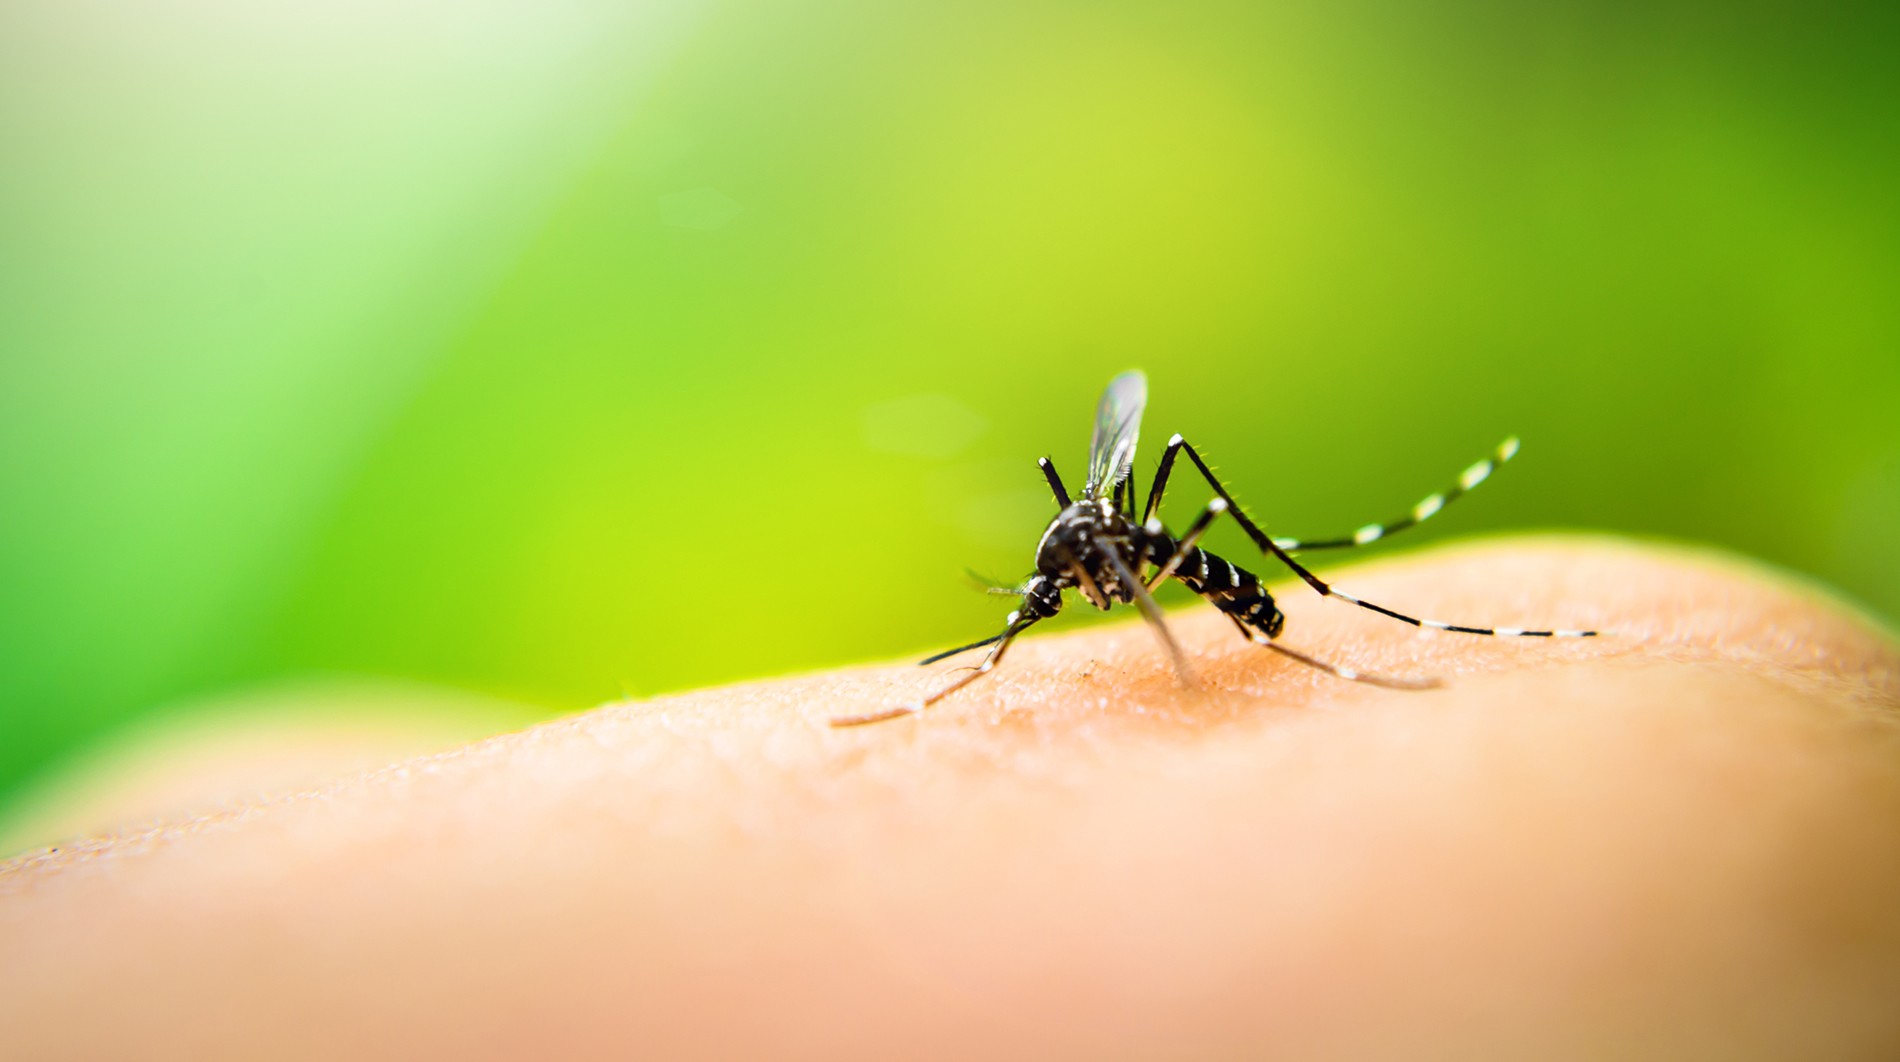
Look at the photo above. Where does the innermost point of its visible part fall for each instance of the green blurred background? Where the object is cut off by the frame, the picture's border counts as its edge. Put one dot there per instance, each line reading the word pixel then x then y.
pixel 559 351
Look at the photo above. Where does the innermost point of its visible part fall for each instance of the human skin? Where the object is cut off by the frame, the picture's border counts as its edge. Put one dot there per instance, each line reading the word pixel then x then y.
pixel 1678 841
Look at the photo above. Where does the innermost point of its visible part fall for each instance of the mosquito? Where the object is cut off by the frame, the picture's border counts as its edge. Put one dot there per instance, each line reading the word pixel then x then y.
pixel 1095 548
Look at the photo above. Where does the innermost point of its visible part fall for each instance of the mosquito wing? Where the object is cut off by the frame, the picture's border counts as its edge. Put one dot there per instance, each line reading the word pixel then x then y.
pixel 1117 423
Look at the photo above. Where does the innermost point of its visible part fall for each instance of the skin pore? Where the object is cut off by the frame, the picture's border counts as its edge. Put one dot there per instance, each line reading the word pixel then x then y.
pixel 1678 840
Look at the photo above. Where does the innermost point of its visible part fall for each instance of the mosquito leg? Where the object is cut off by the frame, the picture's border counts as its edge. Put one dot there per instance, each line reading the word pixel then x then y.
pixel 948 653
pixel 1269 546
pixel 1017 624
pixel 1160 485
pixel 1055 482
pixel 1186 542
pixel 1389 682
pixel 1420 513
pixel 1152 613
pixel 1084 581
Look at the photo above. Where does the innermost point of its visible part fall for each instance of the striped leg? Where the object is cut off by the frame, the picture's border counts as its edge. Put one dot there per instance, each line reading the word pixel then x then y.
pixel 1270 546
pixel 1240 597
pixel 1186 544
pixel 1420 513
pixel 1018 623
pixel 1390 682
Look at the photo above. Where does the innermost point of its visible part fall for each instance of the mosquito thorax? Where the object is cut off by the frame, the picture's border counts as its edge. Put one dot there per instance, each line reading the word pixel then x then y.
pixel 1073 532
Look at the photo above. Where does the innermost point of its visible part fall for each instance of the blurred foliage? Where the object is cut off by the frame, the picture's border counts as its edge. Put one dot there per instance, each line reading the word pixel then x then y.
pixel 565 350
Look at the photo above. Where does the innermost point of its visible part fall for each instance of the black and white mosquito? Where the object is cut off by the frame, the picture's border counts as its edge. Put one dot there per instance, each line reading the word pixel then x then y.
pixel 1094 548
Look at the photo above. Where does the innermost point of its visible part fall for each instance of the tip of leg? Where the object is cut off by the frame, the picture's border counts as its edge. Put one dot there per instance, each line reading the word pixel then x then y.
pixel 1399 682
pixel 841 721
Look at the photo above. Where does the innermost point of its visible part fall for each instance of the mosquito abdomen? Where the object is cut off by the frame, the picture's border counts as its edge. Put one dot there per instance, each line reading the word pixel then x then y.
pixel 1231 588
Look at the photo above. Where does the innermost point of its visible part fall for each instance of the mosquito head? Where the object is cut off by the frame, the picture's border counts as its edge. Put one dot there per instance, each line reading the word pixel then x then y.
pixel 1042 598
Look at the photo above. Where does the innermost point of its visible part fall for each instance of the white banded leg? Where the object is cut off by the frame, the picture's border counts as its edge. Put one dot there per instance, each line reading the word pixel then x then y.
pixel 1186 543
pixel 1017 624
pixel 1389 682
pixel 1459 628
pixel 1420 513
pixel 1278 552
